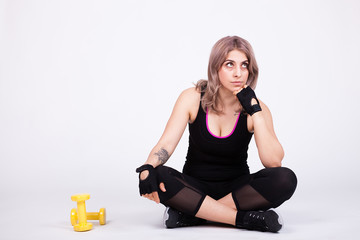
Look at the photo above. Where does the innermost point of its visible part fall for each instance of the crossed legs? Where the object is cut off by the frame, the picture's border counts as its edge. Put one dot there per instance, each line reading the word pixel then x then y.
pixel 265 189
pixel 218 211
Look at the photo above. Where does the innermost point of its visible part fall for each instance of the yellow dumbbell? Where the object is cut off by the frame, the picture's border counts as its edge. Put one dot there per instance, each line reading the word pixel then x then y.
pixel 101 216
pixel 78 217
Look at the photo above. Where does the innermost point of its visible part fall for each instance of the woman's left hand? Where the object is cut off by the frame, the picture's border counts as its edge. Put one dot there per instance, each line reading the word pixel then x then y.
pixel 248 99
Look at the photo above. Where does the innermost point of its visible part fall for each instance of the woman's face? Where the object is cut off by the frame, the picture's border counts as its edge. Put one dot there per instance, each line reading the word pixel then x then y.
pixel 234 72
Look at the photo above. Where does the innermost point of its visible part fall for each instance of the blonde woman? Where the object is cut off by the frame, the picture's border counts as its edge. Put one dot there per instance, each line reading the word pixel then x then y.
pixel 223 113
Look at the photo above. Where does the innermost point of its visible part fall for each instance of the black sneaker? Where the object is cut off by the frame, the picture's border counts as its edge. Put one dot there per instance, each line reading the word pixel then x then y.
pixel 174 218
pixel 268 221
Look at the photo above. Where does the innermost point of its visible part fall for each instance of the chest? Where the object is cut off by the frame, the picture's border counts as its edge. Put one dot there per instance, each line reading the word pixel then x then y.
pixel 215 138
pixel 221 125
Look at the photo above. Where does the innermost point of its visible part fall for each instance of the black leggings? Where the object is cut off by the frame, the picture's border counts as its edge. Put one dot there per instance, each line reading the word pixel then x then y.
pixel 267 188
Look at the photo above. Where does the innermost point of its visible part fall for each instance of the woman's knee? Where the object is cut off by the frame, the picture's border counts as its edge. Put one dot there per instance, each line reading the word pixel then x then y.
pixel 162 170
pixel 275 184
pixel 169 177
pixel 166 174
pixel 286 180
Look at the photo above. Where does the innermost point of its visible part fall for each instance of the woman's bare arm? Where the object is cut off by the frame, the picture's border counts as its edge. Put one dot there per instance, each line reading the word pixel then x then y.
pixel 270 150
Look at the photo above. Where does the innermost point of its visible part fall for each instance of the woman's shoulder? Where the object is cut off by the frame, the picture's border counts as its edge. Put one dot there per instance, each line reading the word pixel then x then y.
pixel 190 95
pixel 190 100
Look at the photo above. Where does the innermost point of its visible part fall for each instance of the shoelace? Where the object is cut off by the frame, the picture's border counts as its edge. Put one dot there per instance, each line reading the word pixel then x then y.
pixel 257 220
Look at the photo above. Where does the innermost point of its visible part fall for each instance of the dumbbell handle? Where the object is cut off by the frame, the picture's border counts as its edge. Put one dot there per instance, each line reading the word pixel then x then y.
pixel 101 216
pixel 81 212
pixel 92 215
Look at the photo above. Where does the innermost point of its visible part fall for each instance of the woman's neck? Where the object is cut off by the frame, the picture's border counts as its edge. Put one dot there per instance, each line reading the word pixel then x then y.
pixel 228 101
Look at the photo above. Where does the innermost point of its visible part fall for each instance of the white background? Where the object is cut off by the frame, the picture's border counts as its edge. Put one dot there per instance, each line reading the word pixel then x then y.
pixel 86 88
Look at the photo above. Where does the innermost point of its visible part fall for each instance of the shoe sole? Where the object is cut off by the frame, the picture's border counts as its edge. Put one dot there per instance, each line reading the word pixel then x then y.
pixel 166 216
pixel 167 221
pixel 274 221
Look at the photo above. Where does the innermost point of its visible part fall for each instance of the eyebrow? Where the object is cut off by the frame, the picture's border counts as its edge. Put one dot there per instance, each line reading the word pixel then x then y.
pixel 230 60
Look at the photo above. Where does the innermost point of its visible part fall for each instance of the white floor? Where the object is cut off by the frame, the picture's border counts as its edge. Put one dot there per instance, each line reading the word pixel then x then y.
pixel 46 215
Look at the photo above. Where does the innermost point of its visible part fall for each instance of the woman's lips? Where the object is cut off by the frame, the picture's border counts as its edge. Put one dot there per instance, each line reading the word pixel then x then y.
pixel 237 83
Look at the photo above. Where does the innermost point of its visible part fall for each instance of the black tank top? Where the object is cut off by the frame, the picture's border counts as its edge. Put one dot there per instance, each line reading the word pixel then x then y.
pixel 212 158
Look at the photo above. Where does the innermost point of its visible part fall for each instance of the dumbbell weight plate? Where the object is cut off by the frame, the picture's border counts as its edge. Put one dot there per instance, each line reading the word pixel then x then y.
pixel 102 216
pixel 73 216
pixel 80 197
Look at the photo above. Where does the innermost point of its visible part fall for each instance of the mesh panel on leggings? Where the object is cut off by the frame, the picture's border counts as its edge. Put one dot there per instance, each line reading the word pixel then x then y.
pixel 247 198
pixel 187 200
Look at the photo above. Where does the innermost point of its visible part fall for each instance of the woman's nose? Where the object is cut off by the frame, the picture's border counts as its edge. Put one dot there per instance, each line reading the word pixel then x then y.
pixel 237 72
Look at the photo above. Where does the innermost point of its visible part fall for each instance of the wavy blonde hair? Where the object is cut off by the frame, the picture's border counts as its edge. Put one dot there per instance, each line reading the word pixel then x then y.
pixel 218 55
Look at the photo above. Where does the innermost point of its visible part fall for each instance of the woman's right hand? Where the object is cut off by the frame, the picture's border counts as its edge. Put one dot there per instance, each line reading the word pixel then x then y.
pixel 154 196
pixel 148 183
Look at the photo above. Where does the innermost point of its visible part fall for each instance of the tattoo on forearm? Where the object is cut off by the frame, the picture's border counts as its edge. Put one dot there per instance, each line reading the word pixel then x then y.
pixel 163 156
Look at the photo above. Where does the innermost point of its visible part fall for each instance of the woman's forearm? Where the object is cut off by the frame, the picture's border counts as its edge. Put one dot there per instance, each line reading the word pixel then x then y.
pixel 270 150
pixel 158 156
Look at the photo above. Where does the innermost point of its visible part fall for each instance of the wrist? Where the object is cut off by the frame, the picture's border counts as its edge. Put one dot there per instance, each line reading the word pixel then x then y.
pixel 148 167
pixel 257 114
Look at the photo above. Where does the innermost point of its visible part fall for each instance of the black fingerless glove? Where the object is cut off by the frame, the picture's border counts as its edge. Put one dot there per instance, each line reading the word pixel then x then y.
pixel 245 96
pixel 149 184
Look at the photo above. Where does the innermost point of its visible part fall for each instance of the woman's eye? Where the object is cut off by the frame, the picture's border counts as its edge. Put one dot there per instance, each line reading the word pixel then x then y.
pixel 229 64
pixel 244 65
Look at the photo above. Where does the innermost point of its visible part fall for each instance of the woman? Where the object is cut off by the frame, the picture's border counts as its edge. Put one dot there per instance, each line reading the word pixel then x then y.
pixel 223 113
